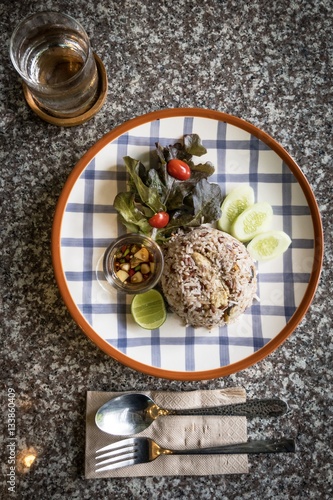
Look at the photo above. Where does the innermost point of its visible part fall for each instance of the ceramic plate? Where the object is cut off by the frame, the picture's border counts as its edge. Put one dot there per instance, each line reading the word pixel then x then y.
pixel 85 223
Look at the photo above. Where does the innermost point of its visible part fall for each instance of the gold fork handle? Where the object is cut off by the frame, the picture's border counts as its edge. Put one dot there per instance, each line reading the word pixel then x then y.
pixel 260 446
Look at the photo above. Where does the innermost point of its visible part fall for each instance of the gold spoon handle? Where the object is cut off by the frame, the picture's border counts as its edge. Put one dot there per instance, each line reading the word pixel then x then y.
pixel 253 408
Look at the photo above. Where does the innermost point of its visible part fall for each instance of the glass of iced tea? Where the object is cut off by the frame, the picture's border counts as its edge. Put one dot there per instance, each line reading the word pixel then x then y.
pixel 51 52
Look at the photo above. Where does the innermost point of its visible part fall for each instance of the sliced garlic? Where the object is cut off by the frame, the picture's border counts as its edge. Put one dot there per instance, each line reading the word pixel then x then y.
pixel 135 262
pixel 145 268
pixel 142 255
pixel 122 275
pixel 137 277
pixel 125 267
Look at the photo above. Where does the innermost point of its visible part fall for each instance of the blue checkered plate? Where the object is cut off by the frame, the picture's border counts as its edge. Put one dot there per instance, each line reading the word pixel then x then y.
pixel 86 222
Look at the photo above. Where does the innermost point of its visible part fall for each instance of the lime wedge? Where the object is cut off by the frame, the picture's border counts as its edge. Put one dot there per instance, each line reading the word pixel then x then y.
pixel 268 245
pixel 254 220
pixel 233 205
pixel 148 309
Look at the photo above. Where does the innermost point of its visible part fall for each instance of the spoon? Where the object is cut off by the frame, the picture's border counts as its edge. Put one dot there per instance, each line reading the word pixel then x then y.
pixel 132 413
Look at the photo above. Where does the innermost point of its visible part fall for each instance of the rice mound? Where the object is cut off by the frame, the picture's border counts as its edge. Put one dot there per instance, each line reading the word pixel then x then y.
pixel 209 278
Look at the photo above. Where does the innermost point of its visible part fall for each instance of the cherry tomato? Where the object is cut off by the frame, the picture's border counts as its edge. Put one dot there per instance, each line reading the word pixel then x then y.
pixel 159 220
pixel 178 169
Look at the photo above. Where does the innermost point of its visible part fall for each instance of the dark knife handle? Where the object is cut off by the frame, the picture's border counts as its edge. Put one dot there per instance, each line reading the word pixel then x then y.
pixel 260 446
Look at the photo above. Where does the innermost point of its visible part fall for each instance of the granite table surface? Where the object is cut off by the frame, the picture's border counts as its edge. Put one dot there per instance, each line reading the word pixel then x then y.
pixel 269 63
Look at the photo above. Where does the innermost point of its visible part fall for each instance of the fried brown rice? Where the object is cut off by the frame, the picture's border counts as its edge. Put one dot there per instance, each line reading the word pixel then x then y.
pixel 209 278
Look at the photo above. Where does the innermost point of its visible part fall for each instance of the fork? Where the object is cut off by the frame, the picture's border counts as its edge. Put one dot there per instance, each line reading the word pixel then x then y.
pixel 142 450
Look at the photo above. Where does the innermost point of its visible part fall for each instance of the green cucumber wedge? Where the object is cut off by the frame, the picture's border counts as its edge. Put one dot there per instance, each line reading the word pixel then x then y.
pixel 268 245
pixel 233 205
pixel 254 220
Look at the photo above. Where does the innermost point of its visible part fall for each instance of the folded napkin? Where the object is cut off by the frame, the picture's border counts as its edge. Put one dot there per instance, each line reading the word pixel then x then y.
pixel 176 432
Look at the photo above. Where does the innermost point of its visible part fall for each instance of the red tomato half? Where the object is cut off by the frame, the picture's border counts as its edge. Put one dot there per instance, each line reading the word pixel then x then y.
pixel 178 169
pixel 159 220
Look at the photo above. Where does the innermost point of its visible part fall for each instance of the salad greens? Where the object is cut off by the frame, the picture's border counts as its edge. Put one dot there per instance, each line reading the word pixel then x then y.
pixel 152 190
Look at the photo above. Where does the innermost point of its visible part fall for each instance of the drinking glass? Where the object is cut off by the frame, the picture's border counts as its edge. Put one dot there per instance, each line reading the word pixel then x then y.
pixel 51 52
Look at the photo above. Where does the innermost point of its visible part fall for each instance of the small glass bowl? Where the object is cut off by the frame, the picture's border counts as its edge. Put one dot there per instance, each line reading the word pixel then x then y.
pixel 110 258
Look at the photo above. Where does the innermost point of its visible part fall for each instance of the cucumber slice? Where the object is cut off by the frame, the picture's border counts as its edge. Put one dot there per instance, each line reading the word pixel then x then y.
pixel 268 245
pixel 234 204
pixel 254 220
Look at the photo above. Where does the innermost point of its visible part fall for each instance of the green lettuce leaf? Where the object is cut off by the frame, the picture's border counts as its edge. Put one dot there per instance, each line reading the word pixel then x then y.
pixel 207 200
pixel 206 169
pixel 193 146
pixel 159 182
pixel 148 195
pixel 131 216
pixel 152 189
pixel 202 206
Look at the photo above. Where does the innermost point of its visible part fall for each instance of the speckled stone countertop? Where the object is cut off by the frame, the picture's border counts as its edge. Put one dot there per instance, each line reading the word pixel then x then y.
pixel 267 62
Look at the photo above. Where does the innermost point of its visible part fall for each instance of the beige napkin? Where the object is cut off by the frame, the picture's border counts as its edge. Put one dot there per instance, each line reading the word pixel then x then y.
pixel 176 432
